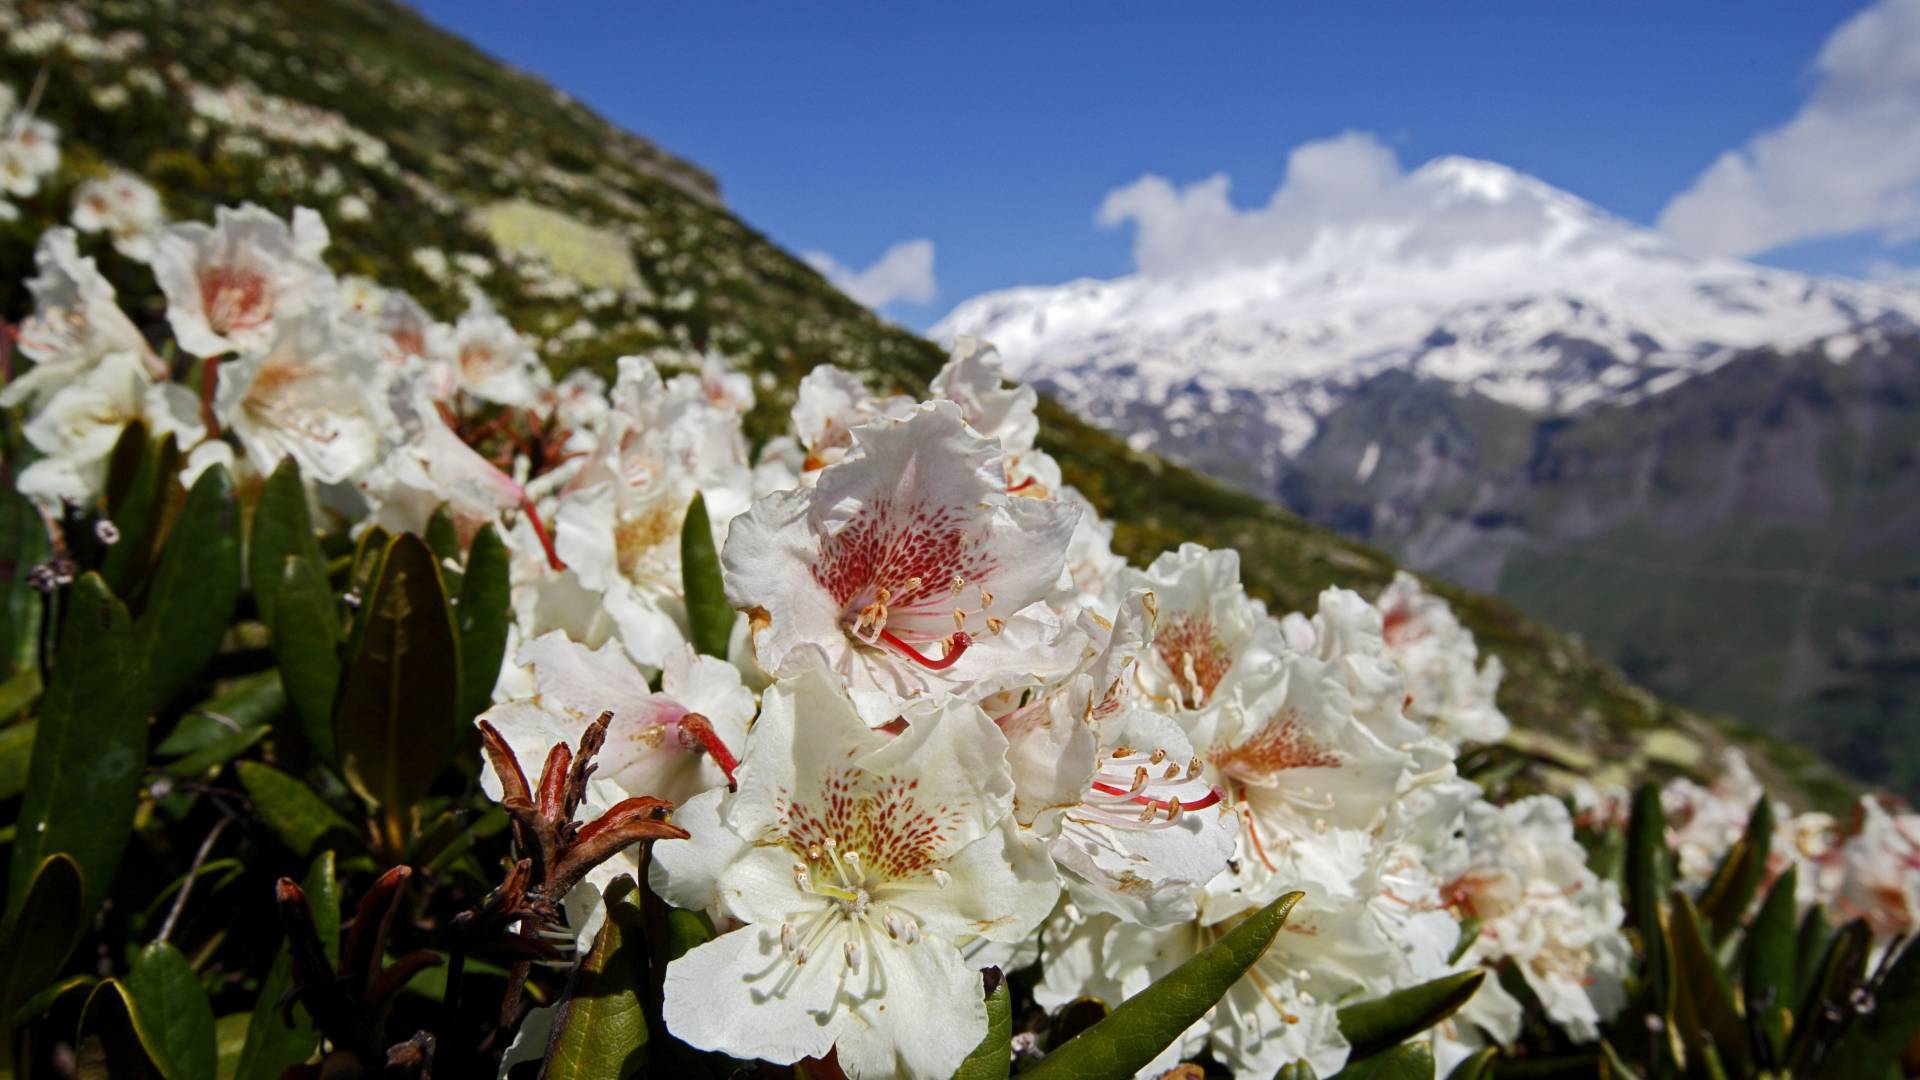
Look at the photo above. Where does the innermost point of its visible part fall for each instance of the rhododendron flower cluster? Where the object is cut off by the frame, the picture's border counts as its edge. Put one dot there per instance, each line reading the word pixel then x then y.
pixel 953 729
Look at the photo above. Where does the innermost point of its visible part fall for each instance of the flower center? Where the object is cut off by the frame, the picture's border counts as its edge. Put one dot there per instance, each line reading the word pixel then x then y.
pixel 235 298
pixel 859 905
pixel 1195 657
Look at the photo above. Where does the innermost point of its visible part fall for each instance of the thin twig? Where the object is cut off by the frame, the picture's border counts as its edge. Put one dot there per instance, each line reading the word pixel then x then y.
pixel 193 873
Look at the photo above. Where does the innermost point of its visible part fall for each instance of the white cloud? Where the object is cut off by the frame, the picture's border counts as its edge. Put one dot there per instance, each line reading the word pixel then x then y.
pixel 903 273
pixel 1347 193
pixel 1847 163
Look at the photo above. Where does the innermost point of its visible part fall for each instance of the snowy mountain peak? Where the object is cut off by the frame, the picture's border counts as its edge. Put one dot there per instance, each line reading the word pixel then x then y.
pixel 1461 270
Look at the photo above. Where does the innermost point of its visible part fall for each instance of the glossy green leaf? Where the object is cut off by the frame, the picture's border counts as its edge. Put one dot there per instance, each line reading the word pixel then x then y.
pixel 16 751
pixel 443 537
pixel 709 615
pixel 1408 1061
pixel 271 1044
pixel 485 599
pixel 172 1012
pixel 993 1058
pixel 1298 1070
pixel 1148 1022
pixel 1647 876
pixel 89 749
pixel 600 1025
pixel 1372 1026
pixel 1477 1067
pixel 23 546
pixel 1841 969
pixel 237 704
pixel 1874 1044
pixel 393 726
pixel 52 918
pixel 1730 892
pixel 1612 1066
pixel 1810 944
pixel 218 753
pixel 112 1044
pixel 300 818
pixel 137 509
pixel 306 645
pixel 1702 1011
pixel 229 1040
pixel 282 529
pixel 1767 972
pixel 19 692
pixel 193 592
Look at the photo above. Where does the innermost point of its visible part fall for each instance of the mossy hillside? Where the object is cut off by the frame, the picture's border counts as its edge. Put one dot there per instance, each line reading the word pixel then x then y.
pixel 368 107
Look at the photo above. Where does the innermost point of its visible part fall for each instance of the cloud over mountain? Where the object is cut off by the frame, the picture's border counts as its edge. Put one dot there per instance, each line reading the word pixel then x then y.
pixel 904 273
pixel 1847 163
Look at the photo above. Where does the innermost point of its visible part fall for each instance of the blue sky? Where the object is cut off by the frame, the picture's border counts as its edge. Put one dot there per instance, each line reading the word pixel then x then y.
pixel 995 130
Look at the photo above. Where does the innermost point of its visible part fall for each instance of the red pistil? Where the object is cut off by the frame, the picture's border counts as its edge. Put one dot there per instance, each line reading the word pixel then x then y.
pixel 1213 796
pixel 701 729
pixel 1022 485
pixel 540 530
pixel 960 643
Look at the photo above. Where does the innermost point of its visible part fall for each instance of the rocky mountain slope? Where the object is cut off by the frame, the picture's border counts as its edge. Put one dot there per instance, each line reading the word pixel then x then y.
pixel 1504 386
pixel 439 170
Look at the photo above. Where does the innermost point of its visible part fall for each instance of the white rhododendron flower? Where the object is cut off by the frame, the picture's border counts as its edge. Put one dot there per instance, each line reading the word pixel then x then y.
pixel 29 153
pixel 974 380
pixel 906 568
pixel 488 359
pixel 1881 871
pixel 1212 638
pixel 76 323
pixel 305 394
pixel 1542 910
pixel 1448 688
pixel 76 427
pixel 124 207
pixel 828 405
pixel 617 526
pixel 672 743
pixel 229 285
pixel 1705 820
pixel 859 863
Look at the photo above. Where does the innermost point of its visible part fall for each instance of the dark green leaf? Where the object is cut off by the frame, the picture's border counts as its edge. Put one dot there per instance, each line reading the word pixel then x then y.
pixel 485 597
pixel 172 1012
pixel 1298 1070
pixel 1469 933
pixel 993 1058
pixel 89 749
pixel 1477 1067
pixel 1703 1009
pixel 16 750
pixel 1767 973
pixel 709 615
pixel 23 546
pixel 1731 890
pixel 1372 1026
pixel 52 918
pixel 271 1044
pixel 393 726
pixel 1647 875
pixel 282 529
pixel 1842 968
pixel 245 702
pixel 307 648
pixel 137 510
pixel 600 1026
pixel 1408 1061
pixel 1148 1022
pixel 1874 1044
pixel 217 754
pixel 112 1044
pixel 1810 945
pixel 194 590
pixel 1612 1067
pixel 443 537
pixel 300 818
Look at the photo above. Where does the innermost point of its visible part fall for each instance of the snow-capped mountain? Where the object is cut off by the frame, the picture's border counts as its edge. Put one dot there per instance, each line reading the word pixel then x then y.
pixel 1464 271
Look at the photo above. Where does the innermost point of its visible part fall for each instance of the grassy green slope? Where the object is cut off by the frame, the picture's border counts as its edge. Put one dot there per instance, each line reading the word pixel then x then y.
pixel 429 133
